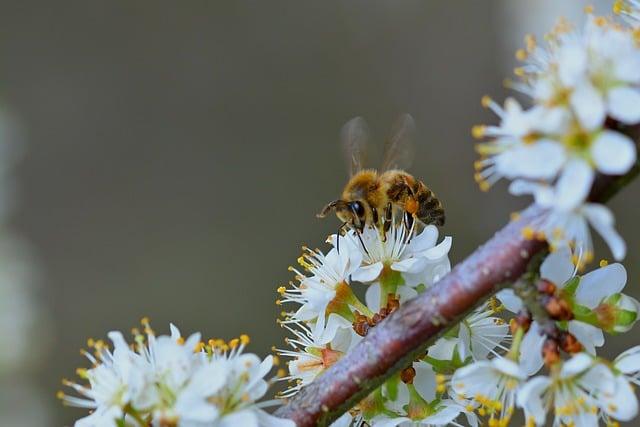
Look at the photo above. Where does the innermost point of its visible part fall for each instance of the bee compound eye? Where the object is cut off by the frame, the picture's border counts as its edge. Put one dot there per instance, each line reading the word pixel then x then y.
pixel 358 208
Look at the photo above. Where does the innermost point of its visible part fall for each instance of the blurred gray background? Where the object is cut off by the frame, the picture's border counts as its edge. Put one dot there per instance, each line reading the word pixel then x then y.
pixel 179 151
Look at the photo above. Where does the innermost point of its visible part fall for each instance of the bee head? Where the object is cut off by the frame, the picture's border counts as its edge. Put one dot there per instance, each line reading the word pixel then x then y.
pixel 353 212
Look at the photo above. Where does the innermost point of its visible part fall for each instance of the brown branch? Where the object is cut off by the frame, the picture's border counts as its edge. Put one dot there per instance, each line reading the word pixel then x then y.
pixel 406 334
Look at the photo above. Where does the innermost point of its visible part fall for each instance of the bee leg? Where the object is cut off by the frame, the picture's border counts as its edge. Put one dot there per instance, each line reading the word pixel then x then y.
pixel 386 222
pixel 409 223
pixel 374 214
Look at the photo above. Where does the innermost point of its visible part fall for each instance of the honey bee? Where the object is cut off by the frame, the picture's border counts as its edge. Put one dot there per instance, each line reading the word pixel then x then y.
pixel 372 197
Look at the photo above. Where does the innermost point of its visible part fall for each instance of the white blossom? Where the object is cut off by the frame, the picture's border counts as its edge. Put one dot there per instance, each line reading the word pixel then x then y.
pixel 568 216
pixel 418 258
pixel 170 380
pixel 577 391
pixel 492 385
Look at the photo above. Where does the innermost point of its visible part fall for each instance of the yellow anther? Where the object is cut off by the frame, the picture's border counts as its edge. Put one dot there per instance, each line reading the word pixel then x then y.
pixel 486 101
pixel 440 378
pixel 588 9
pixel 530 42
pixel 234 343
pixel 528 233
pixel 180 341
pixel 81 372
pixel 144 321
pixel 618 7
pixel 521 54
pixel 514 216
pixel 281 373
pixel 244 339
pixel 282 290
pixel 441 388
pixel 60 394
pixel 600 21
pixel 519 71
pixel 91 342
pixel 478 131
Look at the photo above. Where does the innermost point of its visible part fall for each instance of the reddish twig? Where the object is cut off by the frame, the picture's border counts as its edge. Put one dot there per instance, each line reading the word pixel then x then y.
pixel 406 334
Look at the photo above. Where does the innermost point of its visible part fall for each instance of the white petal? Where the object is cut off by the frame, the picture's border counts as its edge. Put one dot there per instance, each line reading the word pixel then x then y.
pixel 384 421
pixel 425 381
pixel 530 399
pixel 601 218
pixel 372 297
pixel 508 367
pixel 268 420
pixel 367 273
pixel 444 416
pixel 578 364
pixel 439 251
pixel 588 105
pixel 521 187
pixel 601 283
pixel 628 361
pixel 409 265
pixel 624 104
pixel 589 336
pixel 443 349
pixel 425 240
pixel 531 359
pixel 245 418
pixel 557 267
pixel 573 185
pixel 334 322
pixel 622 404
pixel 343 421
pixel 613 153
pixel 572 63
pixel 541 160
pixel 510 300
pixel 406 293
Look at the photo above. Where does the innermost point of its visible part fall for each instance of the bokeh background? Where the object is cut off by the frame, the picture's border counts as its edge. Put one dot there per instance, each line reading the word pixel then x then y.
pixel 175 154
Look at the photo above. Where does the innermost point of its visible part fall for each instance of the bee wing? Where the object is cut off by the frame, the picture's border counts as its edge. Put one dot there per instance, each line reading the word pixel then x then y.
pixel 355 137
pixel 399 148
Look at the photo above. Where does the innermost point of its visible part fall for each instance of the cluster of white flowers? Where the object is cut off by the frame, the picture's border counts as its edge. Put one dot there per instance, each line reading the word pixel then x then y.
pixel 329 319
pixel 169 380
pixel 585 87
